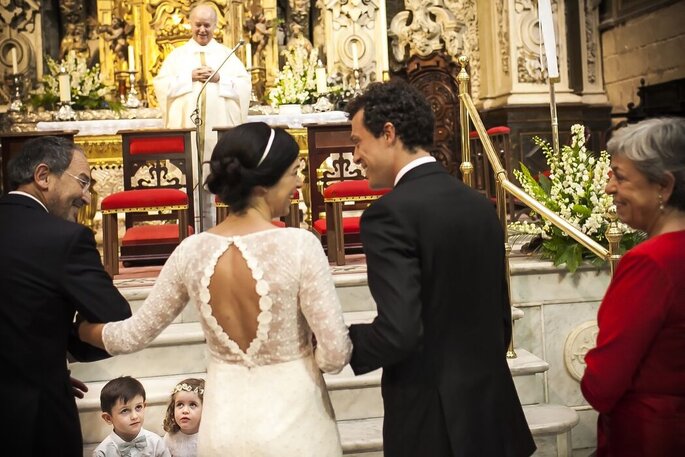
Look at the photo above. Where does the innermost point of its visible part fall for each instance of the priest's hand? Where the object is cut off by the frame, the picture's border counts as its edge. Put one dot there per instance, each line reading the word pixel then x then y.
pixel 201 73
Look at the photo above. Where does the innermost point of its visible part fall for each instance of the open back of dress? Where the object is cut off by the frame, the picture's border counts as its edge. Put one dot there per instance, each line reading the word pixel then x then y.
pixel 260 298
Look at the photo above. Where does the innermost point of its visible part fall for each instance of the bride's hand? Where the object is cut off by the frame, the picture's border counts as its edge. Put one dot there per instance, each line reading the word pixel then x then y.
pixel 91 333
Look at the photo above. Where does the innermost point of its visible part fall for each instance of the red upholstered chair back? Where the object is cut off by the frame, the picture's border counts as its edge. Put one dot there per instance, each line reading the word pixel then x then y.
pixel 158 159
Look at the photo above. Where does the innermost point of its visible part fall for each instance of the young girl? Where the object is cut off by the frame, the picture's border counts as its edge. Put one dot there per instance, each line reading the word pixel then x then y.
pixel 183 415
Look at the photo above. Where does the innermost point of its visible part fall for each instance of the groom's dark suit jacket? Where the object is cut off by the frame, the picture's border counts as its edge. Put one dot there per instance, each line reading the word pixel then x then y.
pixel 435 256
pixel 49 269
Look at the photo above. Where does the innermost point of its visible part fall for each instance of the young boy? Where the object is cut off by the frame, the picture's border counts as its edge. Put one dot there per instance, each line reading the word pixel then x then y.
pixel 122 402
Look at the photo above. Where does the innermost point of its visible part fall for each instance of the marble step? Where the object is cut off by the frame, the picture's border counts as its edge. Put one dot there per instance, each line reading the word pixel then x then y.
pixel 353 292
pixel 353 397
pixel 180 348
pixel 363 437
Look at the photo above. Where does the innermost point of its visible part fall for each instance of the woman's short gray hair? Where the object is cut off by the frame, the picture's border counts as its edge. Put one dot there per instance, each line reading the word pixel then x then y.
pixel 655 146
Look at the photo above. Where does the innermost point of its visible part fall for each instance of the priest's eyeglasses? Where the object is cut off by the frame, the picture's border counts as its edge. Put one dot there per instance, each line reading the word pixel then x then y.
pixel 84 182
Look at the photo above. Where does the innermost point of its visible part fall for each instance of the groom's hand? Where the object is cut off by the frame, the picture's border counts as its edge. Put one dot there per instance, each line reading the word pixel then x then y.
pixel 78 387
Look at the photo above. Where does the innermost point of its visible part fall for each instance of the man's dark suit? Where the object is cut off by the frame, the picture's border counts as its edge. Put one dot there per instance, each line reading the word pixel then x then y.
pixel 49 269
pixel 435 255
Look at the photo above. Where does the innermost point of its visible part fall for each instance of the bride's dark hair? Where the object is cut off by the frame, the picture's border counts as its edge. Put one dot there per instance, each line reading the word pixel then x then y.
pixel 234 169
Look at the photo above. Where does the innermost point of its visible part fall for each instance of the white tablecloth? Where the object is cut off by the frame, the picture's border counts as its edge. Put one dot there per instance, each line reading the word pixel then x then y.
pixel 101 127
pixel 112 126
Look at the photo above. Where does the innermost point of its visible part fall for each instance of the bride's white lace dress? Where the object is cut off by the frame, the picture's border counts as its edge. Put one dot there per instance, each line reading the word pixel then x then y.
pixel 269 400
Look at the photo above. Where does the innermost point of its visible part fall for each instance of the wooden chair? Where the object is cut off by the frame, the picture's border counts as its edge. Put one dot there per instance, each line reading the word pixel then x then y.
pixel 335 226
pixel 12 142
pixel 152 193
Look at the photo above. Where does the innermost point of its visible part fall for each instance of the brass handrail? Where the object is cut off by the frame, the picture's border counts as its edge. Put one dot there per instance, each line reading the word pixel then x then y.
pixel 502 179
pixel 503 185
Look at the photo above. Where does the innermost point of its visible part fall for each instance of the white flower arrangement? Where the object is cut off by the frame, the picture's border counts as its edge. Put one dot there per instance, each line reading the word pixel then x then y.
pixel 87 87
pixel 574 190
pixel 296 82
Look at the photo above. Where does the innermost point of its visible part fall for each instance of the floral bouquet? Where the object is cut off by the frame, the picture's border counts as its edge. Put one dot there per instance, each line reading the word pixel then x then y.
pixel 87 88
pixel 296 83
pixel 575 191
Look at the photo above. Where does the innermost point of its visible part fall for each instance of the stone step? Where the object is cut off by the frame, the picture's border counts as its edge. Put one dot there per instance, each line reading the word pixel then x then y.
pixel 363 437
pixel 180 348
pixel 353 397
pixel 352 289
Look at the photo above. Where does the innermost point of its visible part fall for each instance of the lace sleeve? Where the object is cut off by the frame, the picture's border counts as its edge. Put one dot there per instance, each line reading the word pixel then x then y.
pixel 166 300
pixel 321 307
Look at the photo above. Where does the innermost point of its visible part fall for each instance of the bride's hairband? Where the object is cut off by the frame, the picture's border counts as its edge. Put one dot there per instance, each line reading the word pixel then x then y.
pixel 183 387
pixel 268 147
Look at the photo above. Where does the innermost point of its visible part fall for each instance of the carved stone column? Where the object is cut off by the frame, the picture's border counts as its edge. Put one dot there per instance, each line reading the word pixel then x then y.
pixel 515 90
pixel 510 51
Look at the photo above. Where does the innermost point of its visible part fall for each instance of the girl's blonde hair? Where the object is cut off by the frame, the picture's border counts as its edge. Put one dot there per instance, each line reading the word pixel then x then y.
pixel 194 385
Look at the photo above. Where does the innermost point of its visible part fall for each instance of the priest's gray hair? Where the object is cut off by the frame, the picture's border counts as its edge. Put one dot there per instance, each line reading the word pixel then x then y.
pixel 656 147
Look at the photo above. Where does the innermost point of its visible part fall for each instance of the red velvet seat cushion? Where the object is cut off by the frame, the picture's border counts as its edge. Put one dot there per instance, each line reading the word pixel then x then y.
pixel 278 223
pixel 152 234
pixel 473 134
pixel 350 225
pixel 157 145
pixel 501 130
pixel 144 198
pixel 352 188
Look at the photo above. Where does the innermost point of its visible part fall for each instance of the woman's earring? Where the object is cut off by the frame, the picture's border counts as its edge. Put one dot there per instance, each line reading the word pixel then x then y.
pixel 661 203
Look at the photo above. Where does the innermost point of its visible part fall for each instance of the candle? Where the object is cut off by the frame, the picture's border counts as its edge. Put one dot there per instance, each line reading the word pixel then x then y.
pixel 384 36
pixel 64 86
pixel 248 55
pixel 321 85
pixel 131 58
pixel 14 60
pixel 355 55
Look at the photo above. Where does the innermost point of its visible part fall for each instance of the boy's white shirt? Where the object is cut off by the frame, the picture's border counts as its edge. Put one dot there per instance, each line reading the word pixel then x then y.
pixel 155 446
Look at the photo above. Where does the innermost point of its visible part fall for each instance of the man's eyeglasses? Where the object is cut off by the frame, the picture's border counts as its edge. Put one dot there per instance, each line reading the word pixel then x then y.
pixel 84 182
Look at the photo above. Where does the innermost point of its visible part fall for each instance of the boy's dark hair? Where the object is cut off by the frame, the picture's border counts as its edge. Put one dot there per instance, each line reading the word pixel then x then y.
pixel 124 388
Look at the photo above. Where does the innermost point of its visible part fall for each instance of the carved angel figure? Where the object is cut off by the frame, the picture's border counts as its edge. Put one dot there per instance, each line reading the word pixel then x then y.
pixel 117 34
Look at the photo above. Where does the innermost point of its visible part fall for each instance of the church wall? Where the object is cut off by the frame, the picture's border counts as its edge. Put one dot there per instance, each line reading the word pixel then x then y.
pixel 648 46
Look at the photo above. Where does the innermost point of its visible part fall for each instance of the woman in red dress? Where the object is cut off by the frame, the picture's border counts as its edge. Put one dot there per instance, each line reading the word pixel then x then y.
pixel 635 376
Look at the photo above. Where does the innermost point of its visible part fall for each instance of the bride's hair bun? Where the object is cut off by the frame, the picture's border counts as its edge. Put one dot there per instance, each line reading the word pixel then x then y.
pixel 235 167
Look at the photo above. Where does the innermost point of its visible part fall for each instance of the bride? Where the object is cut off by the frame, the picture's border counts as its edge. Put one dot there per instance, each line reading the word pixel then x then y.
pixel 261 293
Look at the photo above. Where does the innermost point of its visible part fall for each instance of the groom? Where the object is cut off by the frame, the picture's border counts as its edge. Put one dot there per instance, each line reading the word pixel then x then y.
pixel 435 256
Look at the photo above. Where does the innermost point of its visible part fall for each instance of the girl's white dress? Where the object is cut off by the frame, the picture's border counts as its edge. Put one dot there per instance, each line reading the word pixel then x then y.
pixel 270 400
pixel 181 445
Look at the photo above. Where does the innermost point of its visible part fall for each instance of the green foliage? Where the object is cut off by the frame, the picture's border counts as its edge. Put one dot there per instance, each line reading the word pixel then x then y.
pixel 575 191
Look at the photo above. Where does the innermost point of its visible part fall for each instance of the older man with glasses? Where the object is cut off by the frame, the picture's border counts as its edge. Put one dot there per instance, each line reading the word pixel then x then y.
pixel 50 269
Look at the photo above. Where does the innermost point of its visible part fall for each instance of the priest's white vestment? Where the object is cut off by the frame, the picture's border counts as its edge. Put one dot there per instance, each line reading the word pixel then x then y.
pixel 225 103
